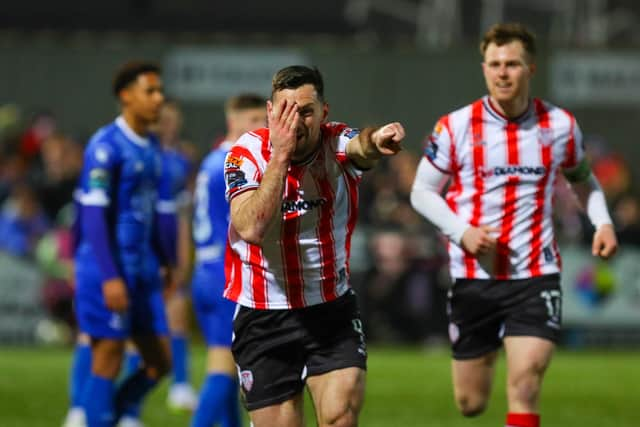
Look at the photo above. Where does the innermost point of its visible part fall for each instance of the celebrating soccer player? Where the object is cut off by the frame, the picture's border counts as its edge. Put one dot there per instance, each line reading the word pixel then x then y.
pixel 293 191
pixel 503 154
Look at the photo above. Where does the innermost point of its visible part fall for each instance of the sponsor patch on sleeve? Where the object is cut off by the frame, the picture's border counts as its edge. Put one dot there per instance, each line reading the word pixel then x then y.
pixel 99 178
pixel 350 132
pixel 233 162
pixel 432 149
pixel 235 179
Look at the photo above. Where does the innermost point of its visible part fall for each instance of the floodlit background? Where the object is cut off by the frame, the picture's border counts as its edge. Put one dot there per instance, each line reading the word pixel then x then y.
pixel 405 60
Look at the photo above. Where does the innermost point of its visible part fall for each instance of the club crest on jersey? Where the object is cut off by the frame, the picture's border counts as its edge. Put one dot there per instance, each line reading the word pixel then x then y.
pixel 246 379
pixel 545 136
pixel 102 155
pixel 233 162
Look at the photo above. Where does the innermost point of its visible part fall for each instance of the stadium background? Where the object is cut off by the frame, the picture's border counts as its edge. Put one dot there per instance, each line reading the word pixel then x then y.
pixel 407 60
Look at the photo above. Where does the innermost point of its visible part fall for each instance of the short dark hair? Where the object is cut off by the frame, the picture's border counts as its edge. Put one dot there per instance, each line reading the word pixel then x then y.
pixel 504 33
pixel 294 76
pixel 129 72
pixel 244 101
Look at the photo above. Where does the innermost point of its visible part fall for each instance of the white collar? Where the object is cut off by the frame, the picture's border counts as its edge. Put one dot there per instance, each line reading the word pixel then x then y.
pixel 130 133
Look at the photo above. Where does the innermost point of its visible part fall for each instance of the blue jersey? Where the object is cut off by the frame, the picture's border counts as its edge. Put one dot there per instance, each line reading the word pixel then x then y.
pixel 117 233
pixel 210 224
pixel 173 181
pixel 211 213
pixel 120 175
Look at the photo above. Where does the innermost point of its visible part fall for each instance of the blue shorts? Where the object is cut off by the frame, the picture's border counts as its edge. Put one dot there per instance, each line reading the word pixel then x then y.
pixel 145 316
pixel 213 311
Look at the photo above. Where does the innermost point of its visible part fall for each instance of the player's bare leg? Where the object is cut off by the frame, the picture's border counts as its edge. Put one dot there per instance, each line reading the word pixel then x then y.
pixel 338 396
pixel 472 381
pixel 285 414
pixel 156 354
pixel 107 357
pixel 527 361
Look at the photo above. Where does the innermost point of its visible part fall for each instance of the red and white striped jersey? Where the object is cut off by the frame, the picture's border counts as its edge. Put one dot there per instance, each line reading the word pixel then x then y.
pixel 503 173
pixel 304 257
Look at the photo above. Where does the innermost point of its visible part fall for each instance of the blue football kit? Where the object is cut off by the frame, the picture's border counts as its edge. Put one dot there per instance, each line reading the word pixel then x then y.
pixel 118 233
pixel 210 225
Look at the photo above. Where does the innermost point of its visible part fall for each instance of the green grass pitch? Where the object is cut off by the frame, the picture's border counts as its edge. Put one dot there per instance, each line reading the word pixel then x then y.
pixel 405 387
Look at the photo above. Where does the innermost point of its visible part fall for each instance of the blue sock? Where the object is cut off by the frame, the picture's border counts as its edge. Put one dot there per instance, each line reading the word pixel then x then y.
pixel 132 363
pixel 131 392
pixel 218 402
pixel 98 402
pixel 80 372
pixel 179 359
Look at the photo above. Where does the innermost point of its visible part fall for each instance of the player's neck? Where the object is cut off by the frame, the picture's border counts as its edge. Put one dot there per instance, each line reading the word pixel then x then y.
pixel 511 109
pixel 139 126
pixel 303 154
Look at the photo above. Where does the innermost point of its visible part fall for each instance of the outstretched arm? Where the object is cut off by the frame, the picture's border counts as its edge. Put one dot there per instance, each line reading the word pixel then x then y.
pixel 366 148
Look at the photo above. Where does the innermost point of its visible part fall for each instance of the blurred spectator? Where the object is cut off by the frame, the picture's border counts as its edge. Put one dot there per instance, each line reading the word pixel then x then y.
pixel 61 165
pixel 401 295
pixel 385 193
pixel 22 221
pixel 43 125
pixel 13 169
pixel 626 216
pixel 54 254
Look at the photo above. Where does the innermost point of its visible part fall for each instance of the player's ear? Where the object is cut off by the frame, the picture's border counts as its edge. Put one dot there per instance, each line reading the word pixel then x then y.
pixel 325 111
pixel 124 96
pixel 269 110
pixel 532 68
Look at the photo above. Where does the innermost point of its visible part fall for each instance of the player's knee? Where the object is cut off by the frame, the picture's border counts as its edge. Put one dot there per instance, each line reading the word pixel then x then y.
pixel 471 406
pixel 525 389
pixel 345 416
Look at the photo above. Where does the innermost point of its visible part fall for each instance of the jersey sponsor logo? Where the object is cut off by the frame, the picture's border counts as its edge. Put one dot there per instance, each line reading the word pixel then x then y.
pixel 350 132
pixel 233 162
pixel 514 170
pixel 235 178
pixel 302 205
pixel 98 178
pixel 246 379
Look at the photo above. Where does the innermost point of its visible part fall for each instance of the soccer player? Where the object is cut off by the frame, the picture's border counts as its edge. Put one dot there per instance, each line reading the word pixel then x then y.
pixel 118 285
pixel 219 394
pixel 502 154
pixel 293 191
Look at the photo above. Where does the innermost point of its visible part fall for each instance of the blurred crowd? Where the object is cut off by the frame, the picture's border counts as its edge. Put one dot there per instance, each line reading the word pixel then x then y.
pixel 399 269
